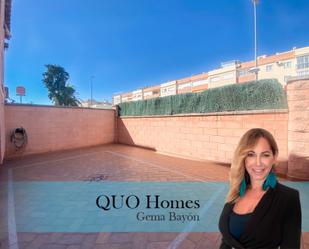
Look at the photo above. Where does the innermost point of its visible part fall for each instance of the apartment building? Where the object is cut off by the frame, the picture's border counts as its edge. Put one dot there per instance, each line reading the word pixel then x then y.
pixel 195 83
pixel 137 95
pixel 116 99
pixel 225 75
pixel 151 92
pixel 281 66
pixel 96 104
pixel 127 97
pixel 302 61
pixel 168 88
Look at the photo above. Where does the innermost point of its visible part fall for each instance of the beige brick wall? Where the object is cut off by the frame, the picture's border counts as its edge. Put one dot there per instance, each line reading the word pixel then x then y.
pixel 298 129
pixel 52 128
pixel 212 137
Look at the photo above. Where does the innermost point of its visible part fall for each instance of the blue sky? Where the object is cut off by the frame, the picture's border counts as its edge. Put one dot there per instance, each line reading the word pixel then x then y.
pixel 127 44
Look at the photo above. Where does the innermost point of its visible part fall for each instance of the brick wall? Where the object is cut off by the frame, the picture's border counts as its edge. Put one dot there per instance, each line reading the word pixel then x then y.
pixel 298 128
pixel 52 128
pixel 205 137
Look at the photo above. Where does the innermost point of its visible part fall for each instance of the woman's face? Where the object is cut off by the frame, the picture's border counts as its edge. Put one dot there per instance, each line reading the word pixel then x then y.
pixel 259 160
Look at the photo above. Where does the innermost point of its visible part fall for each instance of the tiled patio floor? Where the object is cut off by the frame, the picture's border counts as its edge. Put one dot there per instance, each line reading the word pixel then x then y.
pixel 112 163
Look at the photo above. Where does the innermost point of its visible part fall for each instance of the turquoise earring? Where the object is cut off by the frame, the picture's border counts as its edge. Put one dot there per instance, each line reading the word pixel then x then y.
pixel 243 187
pixel 270 181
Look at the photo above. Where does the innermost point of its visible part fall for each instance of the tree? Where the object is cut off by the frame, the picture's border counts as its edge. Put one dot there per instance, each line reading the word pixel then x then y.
pixel 59 91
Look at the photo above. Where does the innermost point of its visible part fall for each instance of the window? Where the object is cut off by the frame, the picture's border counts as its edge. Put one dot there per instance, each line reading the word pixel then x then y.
pixel 168 90
pixel 228 76
pixel 214 79
pixel 147 93
pixel 287 64
pixel 243 72
pixel 269 68
pixel 303 62
pixel 199 82
pixel 182 86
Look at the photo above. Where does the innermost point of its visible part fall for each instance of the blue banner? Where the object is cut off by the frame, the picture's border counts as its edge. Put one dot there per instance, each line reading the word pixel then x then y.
pixel 126 206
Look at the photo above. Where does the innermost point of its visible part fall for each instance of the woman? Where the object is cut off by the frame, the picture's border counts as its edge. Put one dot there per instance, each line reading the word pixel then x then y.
pixel 259 211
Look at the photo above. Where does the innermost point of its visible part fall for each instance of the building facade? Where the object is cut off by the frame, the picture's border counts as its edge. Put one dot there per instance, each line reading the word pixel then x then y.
pixel 281 66
pixel 151 92
pixel 95 104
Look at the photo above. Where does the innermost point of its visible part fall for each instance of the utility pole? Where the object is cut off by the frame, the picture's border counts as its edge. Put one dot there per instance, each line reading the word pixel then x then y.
pixel 255 2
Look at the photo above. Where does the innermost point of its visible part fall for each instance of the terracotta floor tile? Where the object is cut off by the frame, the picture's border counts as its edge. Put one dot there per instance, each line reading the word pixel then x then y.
pixel 111 163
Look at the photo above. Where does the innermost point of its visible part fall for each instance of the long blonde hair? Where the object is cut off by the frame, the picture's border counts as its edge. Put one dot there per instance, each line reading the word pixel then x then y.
pixel 246 143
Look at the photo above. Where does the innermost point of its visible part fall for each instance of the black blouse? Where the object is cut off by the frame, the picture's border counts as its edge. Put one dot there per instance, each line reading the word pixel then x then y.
pixel 275 221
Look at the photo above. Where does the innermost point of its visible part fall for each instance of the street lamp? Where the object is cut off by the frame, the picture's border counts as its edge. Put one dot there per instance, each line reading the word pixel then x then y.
pixel 256 70
pixel 91 81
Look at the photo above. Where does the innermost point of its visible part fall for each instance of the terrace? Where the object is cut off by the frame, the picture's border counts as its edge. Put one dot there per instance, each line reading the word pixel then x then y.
pixel 68 146
pixel 104 163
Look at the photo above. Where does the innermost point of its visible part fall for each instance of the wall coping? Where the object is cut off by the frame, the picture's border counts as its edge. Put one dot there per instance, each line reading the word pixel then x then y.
pixel 298 78
pixel 212 114
pixel 62 107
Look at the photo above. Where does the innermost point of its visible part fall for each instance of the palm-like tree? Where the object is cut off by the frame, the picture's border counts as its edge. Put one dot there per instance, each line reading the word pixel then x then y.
pixel 59 91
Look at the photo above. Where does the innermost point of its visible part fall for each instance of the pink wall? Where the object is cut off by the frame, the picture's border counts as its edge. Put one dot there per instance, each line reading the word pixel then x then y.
pixel 2 142
pixel 55 128
pixel 206 137
pixel 2 131
pixel 214 137
pixel 298 128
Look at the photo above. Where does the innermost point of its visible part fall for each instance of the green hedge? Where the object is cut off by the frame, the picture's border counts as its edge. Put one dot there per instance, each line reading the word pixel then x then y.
pixel 264 94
